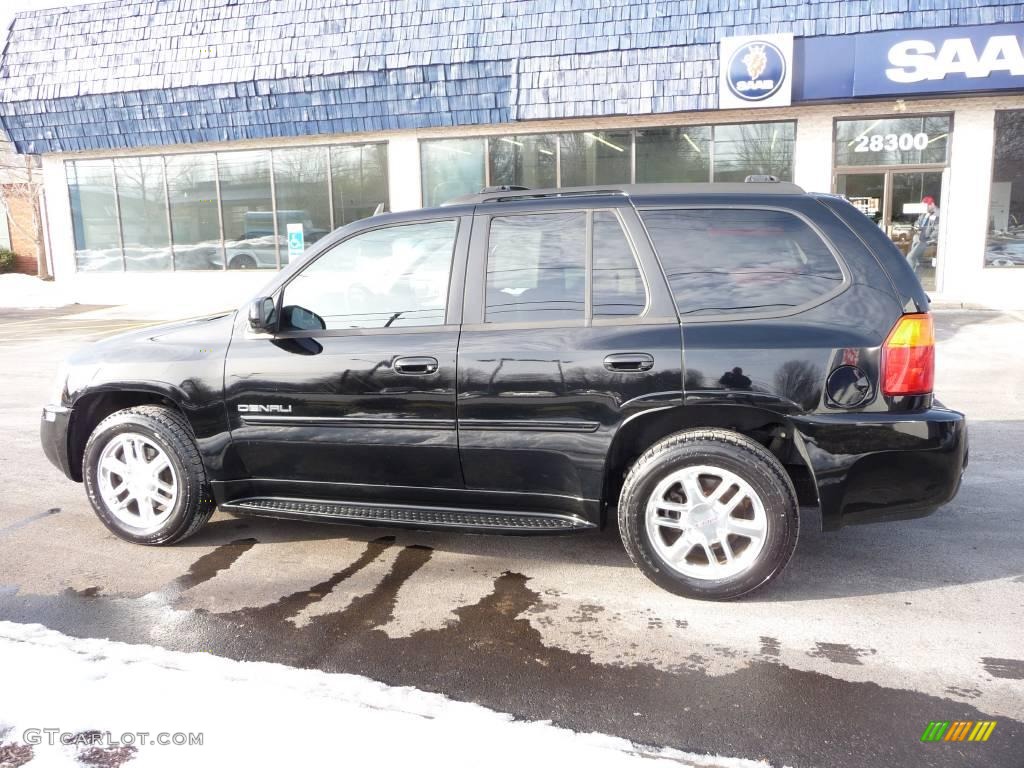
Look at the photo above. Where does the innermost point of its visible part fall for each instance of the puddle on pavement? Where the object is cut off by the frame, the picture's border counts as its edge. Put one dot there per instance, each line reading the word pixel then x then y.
pixel 494 656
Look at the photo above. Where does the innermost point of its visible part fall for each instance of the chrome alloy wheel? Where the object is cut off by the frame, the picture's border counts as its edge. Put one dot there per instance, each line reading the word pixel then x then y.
pixel 706 522
pixel 137 481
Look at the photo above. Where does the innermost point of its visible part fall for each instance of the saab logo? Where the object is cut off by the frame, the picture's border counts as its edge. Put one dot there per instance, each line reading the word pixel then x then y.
pixel 756 71
pixel 264 409
pixel 958 730
pixel 914 61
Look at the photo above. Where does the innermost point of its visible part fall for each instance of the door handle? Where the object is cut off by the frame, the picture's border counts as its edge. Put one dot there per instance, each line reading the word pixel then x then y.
pixel 413 366
pixel 629 361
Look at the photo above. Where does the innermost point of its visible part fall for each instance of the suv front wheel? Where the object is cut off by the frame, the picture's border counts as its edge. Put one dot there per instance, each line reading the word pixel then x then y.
pixel 709 514
pixel 145 478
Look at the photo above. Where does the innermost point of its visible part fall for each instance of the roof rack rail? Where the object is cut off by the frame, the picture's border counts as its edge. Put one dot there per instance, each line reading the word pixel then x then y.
pixel 503 194
pixel 754 184
pixel 503 188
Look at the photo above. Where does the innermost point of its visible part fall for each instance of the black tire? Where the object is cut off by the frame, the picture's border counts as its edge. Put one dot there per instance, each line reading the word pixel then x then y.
pixel 171 432
pixel 738 454
pixel 242 261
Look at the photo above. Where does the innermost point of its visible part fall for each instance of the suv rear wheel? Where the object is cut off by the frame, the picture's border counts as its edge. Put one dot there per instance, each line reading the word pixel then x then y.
pixel 709 514
pixel 145 478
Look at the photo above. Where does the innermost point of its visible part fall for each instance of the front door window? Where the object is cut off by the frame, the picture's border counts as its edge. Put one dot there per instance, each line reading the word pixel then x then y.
pixel 385 278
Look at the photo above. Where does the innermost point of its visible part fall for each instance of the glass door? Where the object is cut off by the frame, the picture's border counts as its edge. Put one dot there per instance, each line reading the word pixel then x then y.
pixel 914 222
pixel 866 191
pixel 906 206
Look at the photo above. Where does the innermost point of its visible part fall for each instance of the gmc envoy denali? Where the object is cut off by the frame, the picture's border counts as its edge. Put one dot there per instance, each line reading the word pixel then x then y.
pixel 694 362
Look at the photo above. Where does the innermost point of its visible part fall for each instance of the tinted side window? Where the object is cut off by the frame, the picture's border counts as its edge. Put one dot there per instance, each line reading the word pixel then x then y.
pixel 388 277
pixel 536 268
pixel 618 285
pixel 733 261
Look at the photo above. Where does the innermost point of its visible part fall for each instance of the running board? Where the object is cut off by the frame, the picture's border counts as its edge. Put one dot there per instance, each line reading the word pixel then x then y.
pixel 417 517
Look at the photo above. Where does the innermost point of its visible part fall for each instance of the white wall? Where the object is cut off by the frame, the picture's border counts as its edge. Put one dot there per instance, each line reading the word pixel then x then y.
pixel 961 277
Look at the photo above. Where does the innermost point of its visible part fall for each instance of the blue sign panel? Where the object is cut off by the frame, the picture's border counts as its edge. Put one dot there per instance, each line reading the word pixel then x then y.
pixel 910 62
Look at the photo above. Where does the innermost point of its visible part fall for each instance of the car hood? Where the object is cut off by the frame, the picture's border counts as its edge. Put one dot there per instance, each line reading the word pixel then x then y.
pixel 180 340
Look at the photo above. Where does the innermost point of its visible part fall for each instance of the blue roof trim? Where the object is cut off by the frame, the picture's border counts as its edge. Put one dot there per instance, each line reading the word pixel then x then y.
pixel 139 73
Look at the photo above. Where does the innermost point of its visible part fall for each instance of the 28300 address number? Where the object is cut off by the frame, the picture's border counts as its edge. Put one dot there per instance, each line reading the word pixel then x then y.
pixel 890 142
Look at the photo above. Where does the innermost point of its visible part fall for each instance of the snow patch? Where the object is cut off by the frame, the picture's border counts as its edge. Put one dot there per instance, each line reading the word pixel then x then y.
pixel 256 713
pixel 18 291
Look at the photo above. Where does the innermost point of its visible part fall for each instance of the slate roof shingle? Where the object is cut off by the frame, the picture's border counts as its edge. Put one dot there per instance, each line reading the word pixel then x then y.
pixel 137 73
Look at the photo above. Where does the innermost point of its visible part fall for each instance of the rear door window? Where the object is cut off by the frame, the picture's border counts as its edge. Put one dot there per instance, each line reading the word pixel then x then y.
pixel 536 268
pixel 619 289
pixel 730 261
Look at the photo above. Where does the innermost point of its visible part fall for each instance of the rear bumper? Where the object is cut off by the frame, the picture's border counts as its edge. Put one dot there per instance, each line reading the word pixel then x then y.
pixel 53 434
pixel 889 466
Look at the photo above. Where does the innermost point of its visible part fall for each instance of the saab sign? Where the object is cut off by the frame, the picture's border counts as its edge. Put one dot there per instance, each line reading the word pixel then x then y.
pixel 755 71
pixel 917 60
pixel 910 62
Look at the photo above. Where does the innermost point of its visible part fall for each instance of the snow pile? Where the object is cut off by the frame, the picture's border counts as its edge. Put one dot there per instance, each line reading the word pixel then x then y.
pixel 254 713
pixel 19 291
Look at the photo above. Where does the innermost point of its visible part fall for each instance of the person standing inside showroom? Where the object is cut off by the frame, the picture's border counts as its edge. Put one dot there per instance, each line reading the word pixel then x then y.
pixel 926 231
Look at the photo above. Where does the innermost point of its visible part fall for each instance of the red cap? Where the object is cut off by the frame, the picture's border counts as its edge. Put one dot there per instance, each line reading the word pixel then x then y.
pixel 928 200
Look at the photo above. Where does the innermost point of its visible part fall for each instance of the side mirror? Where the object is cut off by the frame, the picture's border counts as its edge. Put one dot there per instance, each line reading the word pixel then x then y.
pixel 263 314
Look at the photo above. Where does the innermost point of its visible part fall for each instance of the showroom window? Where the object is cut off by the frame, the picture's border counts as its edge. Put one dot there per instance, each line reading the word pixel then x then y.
pixel 756 148
pixel 526 161
pixel 247 208
pixel 94 216
pixel 142 202
pixel 1004 246
pixel 696 153
pixel 673 154
pixel 224 210
pixel 299 190
pixel 910 140
pixel 451 167
pixel 195 215
pixel 359 181
pixel 596 157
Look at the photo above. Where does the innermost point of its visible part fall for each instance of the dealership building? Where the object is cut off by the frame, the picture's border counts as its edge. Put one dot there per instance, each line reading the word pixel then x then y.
pixel 189 146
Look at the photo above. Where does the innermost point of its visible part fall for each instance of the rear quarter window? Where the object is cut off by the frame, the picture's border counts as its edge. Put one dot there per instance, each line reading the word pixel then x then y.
pixel 731 261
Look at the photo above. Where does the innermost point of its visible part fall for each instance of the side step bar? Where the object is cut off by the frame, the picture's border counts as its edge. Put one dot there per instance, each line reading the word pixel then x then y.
pixel 416 517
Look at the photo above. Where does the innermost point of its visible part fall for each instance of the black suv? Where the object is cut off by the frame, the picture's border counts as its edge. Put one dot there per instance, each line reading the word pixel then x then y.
pixel 700 359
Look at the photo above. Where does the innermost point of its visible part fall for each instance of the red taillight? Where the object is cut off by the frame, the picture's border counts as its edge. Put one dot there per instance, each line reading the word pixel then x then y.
pixel 908 357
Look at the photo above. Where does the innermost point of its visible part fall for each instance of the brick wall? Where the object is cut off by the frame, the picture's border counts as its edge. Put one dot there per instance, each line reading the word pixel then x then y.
pixel 23 243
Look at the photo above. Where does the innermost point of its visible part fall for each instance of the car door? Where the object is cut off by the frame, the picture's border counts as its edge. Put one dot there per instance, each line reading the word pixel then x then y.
pixel 568 332
pixel 355 393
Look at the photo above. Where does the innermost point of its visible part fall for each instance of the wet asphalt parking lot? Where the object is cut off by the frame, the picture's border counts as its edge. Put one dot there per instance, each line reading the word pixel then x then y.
pixel 871 633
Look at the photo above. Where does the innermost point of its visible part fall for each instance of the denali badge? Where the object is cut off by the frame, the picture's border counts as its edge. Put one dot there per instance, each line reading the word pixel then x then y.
pixel 265 408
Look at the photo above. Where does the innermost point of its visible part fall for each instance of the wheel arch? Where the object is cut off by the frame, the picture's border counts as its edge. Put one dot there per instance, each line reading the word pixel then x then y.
pixel 94 406
pixel 769 428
